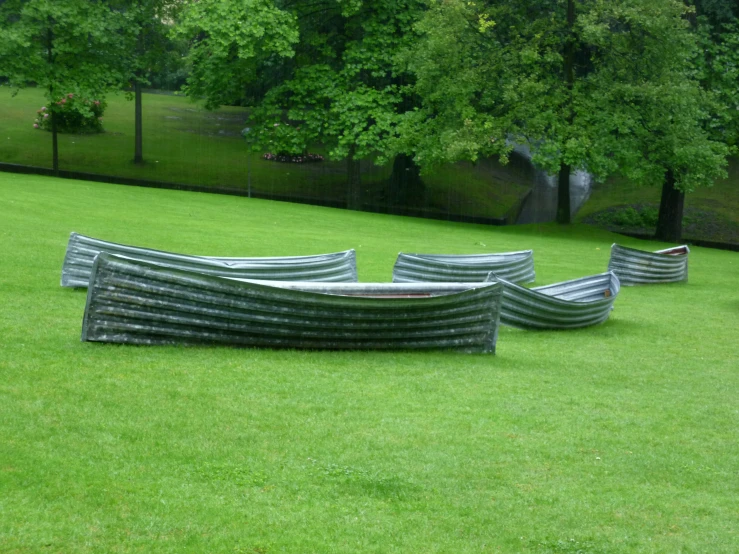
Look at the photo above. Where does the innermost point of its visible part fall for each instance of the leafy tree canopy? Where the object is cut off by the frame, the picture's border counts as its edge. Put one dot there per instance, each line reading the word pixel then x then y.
pixel 491 72
pixel 61 45
pixel 331 78
pixel 230 41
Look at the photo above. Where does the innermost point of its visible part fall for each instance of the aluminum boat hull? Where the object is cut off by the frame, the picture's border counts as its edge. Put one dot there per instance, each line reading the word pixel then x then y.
pixel 136 302
pixel 637 267
pixel 335 267
pixel 517 267
pixel 567 305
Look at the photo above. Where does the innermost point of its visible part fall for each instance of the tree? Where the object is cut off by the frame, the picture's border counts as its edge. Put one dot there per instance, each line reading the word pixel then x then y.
pixel 148 50
pixel 337 86
pixel 493 74
pixel 660 116
pixel 63 46
pixel 592 85
pixel 717 69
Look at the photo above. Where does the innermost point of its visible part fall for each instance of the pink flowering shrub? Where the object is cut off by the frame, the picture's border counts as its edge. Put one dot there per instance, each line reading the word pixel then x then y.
pixel 74 114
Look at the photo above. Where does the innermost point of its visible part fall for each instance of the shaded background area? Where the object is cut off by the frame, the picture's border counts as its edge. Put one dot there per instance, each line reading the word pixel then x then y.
pixel 183 143
pixel 186 144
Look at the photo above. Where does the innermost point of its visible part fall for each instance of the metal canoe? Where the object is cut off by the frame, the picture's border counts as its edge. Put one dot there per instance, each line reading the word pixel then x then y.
pixel 334 267
pixel 517 267
pixel 636 267
pixel 136 302
pixel 567 305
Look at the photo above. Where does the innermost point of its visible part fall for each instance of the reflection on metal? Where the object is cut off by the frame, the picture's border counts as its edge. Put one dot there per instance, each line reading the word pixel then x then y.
pixel 567 305
pixel 513 266
pixel 336 267
pixel 635 267
pixel 136 302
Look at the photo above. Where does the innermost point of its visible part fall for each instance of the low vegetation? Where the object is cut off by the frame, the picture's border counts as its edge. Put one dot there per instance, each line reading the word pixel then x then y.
pixel 619 438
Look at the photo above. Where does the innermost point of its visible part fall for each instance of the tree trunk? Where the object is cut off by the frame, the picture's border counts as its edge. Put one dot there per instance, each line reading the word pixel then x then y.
pixel 138 156
pixel 354 183
pixel 670 220
pixel 54 141
pixel 563 194
pixel 568 68
pixel 405 187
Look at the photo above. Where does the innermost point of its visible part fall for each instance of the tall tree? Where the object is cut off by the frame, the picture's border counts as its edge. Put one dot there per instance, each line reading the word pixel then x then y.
pixel 337 86
pixel 580 84
pixel 149 50
pixel 492 74
pixel 659 118
pixel 63 46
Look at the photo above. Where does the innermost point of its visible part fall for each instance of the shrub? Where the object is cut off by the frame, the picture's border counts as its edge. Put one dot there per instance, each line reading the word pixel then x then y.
pixel 74 114
pixel 649 216
pixel 641 217
pixel 627 217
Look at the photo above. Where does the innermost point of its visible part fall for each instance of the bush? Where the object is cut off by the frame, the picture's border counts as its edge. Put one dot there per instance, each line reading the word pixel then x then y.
pixel 649 216
pixel 74 114
pixel 641 217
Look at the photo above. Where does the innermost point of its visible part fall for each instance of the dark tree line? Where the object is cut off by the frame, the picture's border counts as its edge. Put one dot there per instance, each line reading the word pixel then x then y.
pixel 642 88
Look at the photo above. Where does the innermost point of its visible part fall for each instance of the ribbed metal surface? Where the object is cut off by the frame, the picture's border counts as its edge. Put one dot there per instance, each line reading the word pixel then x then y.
pixel 568 305
pixel 336 267
pixel 513 266
pixel 135 302
pixel 635 267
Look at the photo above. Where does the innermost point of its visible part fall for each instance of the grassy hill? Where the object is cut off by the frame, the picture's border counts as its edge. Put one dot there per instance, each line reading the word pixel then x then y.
pixel 619 438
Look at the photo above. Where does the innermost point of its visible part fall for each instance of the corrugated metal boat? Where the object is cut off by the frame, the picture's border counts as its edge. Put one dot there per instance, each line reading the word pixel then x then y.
pixel 636 267
pixel 567 305
pixel 335 267
pixel 517 267
pixel 136 302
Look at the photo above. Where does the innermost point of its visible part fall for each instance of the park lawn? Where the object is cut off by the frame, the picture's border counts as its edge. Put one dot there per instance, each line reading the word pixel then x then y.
pixel 184 143
pixel 619 438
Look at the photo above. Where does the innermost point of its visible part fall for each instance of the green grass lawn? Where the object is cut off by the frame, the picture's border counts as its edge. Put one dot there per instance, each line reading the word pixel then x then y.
pixel 620 438
pixel 183 143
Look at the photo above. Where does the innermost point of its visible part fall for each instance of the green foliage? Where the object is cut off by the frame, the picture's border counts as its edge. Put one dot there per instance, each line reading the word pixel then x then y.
pixel 151 55
pixel 717 67
pixel 286 140
pixel 228 41
pixel 634 105
pixel 71 46
pixel 74 115
pixel 338 85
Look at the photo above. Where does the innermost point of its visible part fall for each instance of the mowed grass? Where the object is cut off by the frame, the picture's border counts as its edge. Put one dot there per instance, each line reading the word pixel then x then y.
pixel 184 143
pixel 615 439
